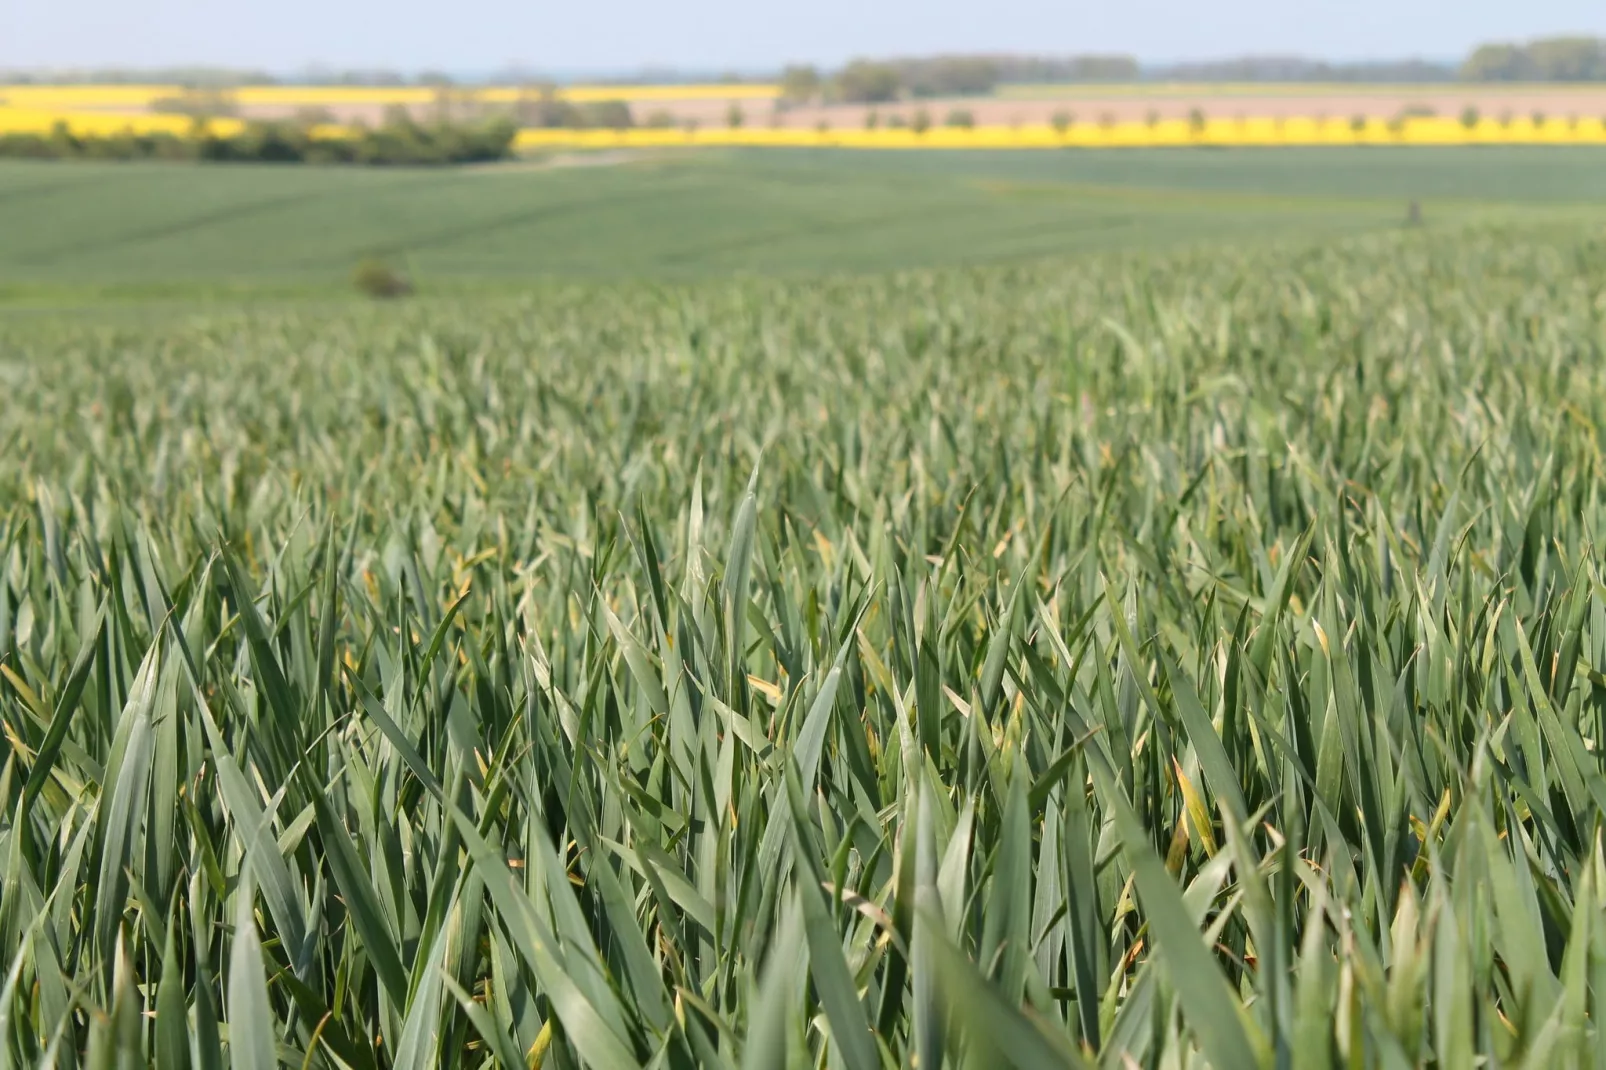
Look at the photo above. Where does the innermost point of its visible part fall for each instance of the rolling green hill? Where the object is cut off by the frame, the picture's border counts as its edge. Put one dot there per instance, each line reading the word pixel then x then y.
pixel 142 228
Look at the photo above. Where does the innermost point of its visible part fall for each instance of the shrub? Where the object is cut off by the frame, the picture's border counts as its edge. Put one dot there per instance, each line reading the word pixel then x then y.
pixel 541 107
pixel 1358 124
pixel 921 122
pixel 1197 121
pixel 872 119
pixel 734 116
pixel 1538 120
pixel 1470 117
pixel 375 278
pixel 799 84
pixel 961 119
pixel 606 115
pixel 866 82
pixel 1062 122
pixel 660 120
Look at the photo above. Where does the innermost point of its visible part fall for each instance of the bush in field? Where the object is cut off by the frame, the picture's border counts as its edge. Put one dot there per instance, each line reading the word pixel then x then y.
pixel 960 118
pixel 375 278
pixel 1197 122
pixel 605 115
pixel 659 120
pixel 1062 121
pixel 872 119
pixel 1470 117
pixel 920 122
pixel 735 116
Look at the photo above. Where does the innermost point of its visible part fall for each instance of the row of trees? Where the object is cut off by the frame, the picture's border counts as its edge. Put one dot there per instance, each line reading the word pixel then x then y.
pixel 868 81
pixel 396 142
pixel 1556 59
pixel 865 81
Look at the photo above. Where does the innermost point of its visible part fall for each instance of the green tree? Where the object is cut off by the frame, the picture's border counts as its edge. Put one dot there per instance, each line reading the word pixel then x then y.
pixel 800 83
pixel 1554 59
pixel 867 82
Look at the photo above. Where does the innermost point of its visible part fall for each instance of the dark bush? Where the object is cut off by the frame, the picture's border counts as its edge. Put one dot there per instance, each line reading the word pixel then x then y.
pixel 377 279
pixel 399 141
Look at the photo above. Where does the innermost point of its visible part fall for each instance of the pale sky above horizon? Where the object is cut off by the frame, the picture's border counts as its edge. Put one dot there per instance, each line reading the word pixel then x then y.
pixel 706 35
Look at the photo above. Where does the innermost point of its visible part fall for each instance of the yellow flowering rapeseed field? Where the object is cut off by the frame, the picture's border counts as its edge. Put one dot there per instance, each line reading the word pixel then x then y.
pixel 102 110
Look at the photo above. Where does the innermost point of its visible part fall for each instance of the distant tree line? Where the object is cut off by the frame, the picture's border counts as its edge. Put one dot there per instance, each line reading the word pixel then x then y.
pixel 1555 59
pixel 543 108
pixel 395 143
pixel 1295 69
pixel 866 81
pixel 872 81
pixel 201 77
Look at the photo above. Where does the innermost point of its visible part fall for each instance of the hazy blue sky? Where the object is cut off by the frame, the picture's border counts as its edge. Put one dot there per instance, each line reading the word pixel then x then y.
pixel 613 35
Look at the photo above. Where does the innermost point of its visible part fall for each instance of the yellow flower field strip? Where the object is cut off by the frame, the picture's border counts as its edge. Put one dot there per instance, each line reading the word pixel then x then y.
pixel 106 124
pixel 1166 133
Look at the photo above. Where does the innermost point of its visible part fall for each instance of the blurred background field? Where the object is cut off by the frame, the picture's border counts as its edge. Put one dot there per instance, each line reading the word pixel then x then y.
pixel 133 228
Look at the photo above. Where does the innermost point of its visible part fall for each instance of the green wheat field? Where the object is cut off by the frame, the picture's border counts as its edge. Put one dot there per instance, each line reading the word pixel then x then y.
pixel 1167 657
